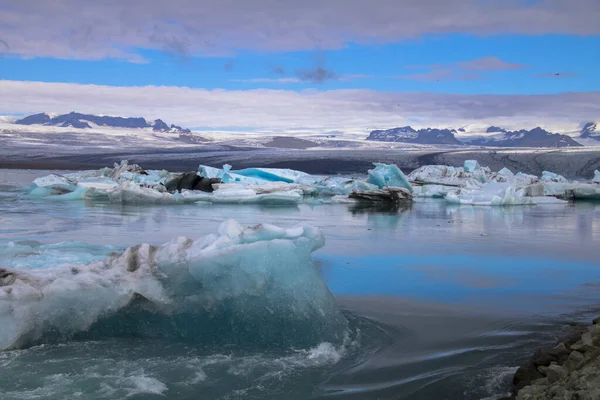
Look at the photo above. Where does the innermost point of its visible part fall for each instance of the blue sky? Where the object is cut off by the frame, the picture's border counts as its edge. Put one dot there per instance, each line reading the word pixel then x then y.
pixel 390 49
pixel 389 67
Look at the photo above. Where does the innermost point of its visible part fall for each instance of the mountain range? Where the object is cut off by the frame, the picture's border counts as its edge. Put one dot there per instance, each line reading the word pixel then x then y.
pixel 494 136
pixel 85 121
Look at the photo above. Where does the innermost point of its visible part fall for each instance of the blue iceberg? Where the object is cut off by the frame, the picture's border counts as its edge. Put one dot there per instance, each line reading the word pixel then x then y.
pixel 247 286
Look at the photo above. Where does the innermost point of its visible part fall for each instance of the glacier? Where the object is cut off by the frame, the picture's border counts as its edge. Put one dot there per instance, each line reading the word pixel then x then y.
pixel 248 286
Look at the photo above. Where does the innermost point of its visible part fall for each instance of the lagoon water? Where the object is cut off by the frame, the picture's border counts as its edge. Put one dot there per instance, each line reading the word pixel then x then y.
pixel 444 302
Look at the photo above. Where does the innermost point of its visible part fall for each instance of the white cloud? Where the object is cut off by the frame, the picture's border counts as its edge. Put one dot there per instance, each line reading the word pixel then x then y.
pixel 267 80
pixel 114 28
pixel 309 110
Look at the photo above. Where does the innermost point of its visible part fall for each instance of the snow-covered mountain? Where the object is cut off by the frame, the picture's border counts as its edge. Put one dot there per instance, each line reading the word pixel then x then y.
pixel 536 137
pixel 591 130
pixel 407 134
pixel 87 121
pixel 491 136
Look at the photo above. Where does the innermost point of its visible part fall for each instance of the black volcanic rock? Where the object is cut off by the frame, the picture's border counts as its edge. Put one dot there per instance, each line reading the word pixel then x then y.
pixel 160 126
pixel 407 134
pixel 35 119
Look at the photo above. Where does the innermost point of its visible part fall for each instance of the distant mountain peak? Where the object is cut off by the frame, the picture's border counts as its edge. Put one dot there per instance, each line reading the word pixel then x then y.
pixel 85 121
pixel 590 130
pixel 407 134
pixel 495 129
pixel 536 137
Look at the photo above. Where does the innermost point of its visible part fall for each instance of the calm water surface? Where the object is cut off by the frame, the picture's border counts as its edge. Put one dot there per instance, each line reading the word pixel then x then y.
pixel 443 301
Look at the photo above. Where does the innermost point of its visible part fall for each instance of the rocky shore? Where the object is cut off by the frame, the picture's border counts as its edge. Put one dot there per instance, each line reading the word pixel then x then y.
pixel 570 370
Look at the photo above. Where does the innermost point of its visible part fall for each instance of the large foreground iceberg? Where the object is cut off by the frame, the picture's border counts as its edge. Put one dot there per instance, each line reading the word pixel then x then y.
pixel 243 285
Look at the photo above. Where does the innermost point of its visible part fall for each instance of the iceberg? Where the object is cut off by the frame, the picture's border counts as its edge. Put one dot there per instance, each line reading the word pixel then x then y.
pixel 499 194
pixel 469 184
pixel 596 177
pixel 245 195
pixel 272 174
pixel 250 286
pixel 548 176
pixel 388 175
pixel 470 166
pixel 506 171
pixel 53 180
pixel 450 176
pixel 334 186
pixel 226 175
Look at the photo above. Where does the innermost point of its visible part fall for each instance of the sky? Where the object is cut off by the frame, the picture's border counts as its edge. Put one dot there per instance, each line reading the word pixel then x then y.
pixel 305 66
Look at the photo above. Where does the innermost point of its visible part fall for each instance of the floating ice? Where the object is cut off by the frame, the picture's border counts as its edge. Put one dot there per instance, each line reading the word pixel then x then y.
pixel 433 191
pixel 506 171
pixel 498 194
pixel 470 184
pixel 470 166
pixel 548 176
pixel 245 195
pixel 272 174
pixel 53 181
pixel 388 175
pixel 245 285
pixel 596 176
pixel 452 176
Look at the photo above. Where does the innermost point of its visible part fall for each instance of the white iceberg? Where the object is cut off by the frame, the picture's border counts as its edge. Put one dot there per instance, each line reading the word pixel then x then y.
pixel 53 180
pixel 498 194
pixel 506 171
pixel 548 176
pixel 248 285
pixel 596 176
pixel 450 176
pixel 245 195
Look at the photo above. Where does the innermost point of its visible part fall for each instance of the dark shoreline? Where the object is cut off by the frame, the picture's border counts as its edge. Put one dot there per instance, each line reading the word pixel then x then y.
pixel 578 164
pixel 558 372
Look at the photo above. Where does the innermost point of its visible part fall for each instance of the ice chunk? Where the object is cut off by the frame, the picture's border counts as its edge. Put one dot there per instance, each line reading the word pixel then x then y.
pixel 100 183
pixel 447 175
pixel 209 172
pixel 245 195
pixel 498 194
pixel 506 171
pixel 471 166
pixel 548 176
pixel 245 285
pixel 596 176
pixel 132 193
pixel 586 192
pixel 388 175
pixel 228 176
pixel 504 197
pixel 272 174
pixel 53 180
pixel 333 185
pixel 433 191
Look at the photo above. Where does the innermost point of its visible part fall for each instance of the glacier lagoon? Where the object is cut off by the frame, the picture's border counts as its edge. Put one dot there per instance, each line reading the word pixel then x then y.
pixel 439 299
